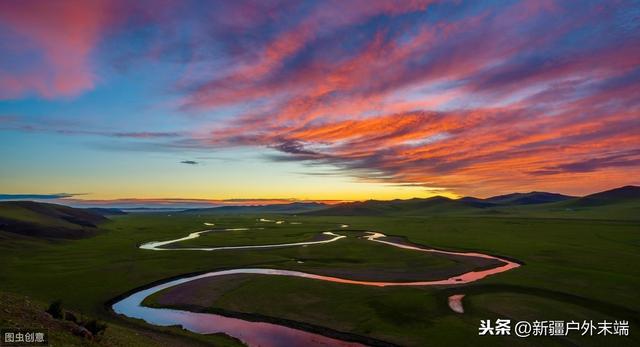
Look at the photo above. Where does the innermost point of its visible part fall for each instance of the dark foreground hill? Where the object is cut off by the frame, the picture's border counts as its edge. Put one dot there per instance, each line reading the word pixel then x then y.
pixel 292 208
pixel 622 195
pixel 45 220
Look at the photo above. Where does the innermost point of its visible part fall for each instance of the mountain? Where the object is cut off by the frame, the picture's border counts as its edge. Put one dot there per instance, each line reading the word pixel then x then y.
pixel 436 204
pixel 477 202
pixel 533 203
pixel 295 207
pixel 439 205
pixel 46 220
pixel 527 198
pixel 620 195
pixel 150 209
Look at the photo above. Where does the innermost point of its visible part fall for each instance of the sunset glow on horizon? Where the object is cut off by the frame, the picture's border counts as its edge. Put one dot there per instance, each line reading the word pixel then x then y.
pixel 275 101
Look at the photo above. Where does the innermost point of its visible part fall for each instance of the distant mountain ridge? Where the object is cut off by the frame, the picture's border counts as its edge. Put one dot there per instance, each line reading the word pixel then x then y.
pixel 107 211
pixel 434 205
pixel 381 207
pixel 528 198
pixel 440 204
pixel 292 208
pixel 623 201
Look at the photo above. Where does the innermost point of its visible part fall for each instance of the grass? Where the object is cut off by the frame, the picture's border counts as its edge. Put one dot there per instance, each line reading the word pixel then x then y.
pixel 574 268
pixel 624 210
pixel 18 311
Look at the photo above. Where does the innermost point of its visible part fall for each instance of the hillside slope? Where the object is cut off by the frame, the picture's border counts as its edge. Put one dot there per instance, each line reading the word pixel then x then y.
pixel 19 311
pixel 45 220
pixel 620 195
pixel 619 203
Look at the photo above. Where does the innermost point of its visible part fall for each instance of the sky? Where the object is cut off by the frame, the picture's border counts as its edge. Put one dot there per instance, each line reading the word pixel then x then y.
pixel 260 101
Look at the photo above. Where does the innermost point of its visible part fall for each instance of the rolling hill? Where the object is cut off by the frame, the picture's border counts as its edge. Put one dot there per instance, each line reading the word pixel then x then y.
pixel 620 195
pixel 51 221
pixel 527 198
pixel 618 203
pixel 57 221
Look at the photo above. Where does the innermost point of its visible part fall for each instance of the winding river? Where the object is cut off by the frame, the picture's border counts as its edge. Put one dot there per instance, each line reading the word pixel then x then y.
pixel 268 334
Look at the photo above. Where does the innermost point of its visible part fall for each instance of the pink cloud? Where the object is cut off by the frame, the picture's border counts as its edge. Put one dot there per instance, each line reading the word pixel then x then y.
pixel 62 35
pixel 530 94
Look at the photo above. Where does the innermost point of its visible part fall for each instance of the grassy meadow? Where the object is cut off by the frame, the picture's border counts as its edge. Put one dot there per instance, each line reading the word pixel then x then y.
pixel 574 269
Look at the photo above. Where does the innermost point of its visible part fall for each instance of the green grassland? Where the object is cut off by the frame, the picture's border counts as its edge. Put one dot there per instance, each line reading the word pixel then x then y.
pixel 624 210
pixel 352 257
pixel 574 269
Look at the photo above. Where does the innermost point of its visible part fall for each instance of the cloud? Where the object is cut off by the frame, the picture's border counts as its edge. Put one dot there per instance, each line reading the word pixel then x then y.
pixel 490 98
pixel 143 135
pixel 624 159
pixel 479 98
pixel 56 38
pixel 15 123
pixel 189 162
pixel 293 147
pixel 49 48
pixel 36 196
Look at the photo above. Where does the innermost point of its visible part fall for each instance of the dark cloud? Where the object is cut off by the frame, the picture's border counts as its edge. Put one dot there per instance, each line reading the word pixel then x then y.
pixel 144 134
pixel 73 129
pixel 189 162
pixel 628 159
pixel 294 147
pixel 36 196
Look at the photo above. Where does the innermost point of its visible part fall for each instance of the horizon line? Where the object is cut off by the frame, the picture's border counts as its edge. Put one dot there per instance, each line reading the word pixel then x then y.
pixel 187 203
